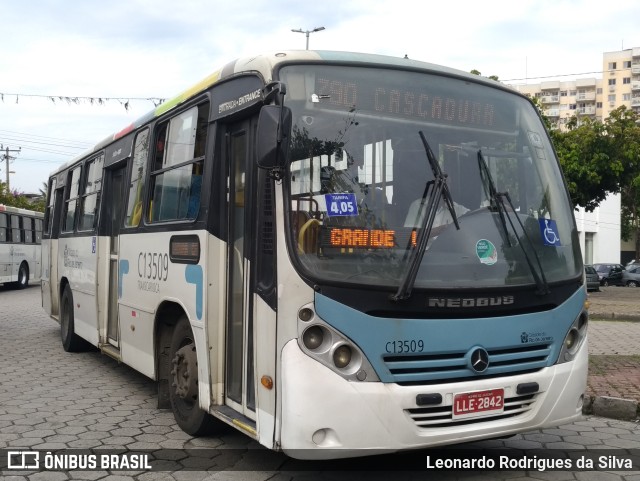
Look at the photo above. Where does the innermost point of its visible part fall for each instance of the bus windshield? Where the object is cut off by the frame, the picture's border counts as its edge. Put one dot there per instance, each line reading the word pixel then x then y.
pixel 359 182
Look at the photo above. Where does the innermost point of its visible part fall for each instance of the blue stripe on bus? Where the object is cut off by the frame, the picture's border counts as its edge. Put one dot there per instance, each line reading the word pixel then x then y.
pixel 123 269
pixel 537 338
pixel 193 275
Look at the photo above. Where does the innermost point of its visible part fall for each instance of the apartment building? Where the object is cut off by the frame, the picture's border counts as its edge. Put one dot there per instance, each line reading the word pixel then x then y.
pixel 596 98
pixel 621 79
pixel 561 100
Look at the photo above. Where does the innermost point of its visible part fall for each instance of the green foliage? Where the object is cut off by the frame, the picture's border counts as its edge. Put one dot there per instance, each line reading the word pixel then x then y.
pixel 599 158
pixel 591 167
pixel 477 72
pixel 17 199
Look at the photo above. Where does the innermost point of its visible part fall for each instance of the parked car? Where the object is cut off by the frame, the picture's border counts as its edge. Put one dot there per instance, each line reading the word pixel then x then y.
pixel 610 274
pixel 631 276
pixel 593 281
pixel 632 265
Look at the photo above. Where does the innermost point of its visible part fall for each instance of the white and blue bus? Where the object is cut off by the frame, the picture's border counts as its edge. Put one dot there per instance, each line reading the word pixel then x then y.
pixel 20 242
pixel 336 253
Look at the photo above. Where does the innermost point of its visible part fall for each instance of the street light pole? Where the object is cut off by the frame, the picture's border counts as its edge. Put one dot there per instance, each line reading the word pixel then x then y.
pixel 307 32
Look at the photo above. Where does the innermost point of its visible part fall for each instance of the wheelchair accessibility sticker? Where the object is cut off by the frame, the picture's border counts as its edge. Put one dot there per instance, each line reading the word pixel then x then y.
pixel 549 231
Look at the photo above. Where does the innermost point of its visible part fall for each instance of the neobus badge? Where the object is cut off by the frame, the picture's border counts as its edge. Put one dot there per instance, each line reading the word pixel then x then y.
pixel 469 301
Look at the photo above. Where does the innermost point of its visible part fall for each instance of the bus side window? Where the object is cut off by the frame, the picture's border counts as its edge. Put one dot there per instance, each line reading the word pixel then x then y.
pixel 4 226
pixel 16 232
pixel 71 200
pixel 38 231
pixel 91 197
pixel 27 224
pixel 48 214
pixel 176 180
pixel 137 179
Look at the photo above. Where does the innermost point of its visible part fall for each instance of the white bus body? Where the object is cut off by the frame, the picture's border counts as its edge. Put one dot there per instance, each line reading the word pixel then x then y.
pixel 20 239
pixel 245 245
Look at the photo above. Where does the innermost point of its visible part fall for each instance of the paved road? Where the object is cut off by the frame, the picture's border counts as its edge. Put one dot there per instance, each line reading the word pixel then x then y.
pixel 53 400
pixel 615 336
pixel 615 303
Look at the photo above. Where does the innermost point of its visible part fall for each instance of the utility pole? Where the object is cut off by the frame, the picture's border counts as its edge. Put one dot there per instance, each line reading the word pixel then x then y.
pixel 7 157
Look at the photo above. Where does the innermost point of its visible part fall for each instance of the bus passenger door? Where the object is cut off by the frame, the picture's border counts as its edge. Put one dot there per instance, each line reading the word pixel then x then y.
pixel 116 179
pixel 49 253
pixel 239 370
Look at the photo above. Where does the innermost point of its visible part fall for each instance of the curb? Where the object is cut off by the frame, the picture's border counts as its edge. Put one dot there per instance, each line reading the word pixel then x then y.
pixel 612 316
pixel 612 407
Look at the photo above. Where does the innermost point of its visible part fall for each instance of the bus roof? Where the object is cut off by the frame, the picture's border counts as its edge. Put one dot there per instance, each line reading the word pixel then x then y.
pixel 264 64
pixel 18 210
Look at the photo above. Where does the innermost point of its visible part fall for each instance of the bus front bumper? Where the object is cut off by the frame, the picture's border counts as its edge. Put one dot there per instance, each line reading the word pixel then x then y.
pixel 325 416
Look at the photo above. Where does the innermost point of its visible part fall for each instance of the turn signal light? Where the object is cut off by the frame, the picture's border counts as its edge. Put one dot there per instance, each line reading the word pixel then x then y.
pixel 267 382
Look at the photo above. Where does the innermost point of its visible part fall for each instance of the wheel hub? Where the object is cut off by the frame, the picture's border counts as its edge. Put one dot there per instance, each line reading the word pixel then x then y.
pixel 185 372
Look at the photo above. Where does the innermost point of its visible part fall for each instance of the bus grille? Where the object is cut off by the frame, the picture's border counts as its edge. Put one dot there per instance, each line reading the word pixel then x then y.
pixel 442 368
pixel 442 416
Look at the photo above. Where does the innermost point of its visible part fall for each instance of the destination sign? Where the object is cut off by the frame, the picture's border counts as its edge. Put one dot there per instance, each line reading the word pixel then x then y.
pixel 363 238
pixel 415 96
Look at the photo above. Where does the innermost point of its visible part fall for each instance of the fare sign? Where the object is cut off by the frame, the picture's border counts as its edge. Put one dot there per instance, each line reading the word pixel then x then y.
pixel 478 403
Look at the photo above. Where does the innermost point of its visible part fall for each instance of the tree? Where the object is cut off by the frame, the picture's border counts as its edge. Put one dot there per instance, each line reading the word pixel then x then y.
pixel 477 72
pixel 599 158
pixel 623 130
pixel 17 199
pixel 584 156
pixel 592 170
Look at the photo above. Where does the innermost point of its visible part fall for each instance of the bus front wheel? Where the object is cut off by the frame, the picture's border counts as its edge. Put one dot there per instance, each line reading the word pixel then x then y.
pixel 71 342
pixel 183 390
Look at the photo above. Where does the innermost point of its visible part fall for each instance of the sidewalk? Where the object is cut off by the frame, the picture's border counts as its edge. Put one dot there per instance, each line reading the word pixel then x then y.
pixel 613 385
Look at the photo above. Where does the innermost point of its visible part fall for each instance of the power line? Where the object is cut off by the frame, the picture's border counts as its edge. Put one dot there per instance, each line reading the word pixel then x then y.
pixel 566 75
pixel 49 151
pixel 24 141
pixel 22 159
pixel 84 145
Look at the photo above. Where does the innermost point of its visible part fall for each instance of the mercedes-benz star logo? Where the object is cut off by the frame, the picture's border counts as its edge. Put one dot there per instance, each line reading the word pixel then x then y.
pixel 479 360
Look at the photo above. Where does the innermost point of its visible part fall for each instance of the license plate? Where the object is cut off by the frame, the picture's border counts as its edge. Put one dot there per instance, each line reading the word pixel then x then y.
pixel 478 403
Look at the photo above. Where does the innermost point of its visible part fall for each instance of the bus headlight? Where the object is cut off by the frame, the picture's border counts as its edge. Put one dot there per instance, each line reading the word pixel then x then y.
pixel 342 356
pixel 313 337
pixel 574 339
pixel 571 339
pixel 322 342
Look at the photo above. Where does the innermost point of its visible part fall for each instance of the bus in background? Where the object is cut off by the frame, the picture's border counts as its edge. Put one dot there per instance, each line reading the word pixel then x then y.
pixel 338 254
pixel 20 239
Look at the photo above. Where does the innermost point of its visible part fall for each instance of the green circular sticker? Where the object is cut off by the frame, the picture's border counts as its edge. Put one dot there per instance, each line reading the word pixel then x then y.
pixel 486 252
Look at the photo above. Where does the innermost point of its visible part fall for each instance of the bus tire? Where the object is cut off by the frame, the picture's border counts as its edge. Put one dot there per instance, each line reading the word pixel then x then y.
pixel 71 342
pixel 23 276
pixel 183 383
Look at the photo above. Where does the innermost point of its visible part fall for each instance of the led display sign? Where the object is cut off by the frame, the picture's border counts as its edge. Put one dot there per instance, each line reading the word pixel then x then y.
pixel 362 238
pixel 415 96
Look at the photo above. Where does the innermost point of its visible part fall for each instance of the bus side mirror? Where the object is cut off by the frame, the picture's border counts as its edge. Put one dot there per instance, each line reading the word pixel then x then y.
pixel 274 129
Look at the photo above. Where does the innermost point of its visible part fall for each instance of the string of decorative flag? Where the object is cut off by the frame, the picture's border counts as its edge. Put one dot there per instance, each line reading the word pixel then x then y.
pixel 77 99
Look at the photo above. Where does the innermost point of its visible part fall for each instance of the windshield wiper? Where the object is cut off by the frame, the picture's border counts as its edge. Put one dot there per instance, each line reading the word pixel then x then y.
pixel 498 204
pixel 435 189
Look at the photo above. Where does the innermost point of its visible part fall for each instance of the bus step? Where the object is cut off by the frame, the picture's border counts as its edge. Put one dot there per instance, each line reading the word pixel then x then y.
pixel 234 418
pixel 111 351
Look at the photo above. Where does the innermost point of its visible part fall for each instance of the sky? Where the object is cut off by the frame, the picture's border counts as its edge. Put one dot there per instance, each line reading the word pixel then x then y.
pixel 117 57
